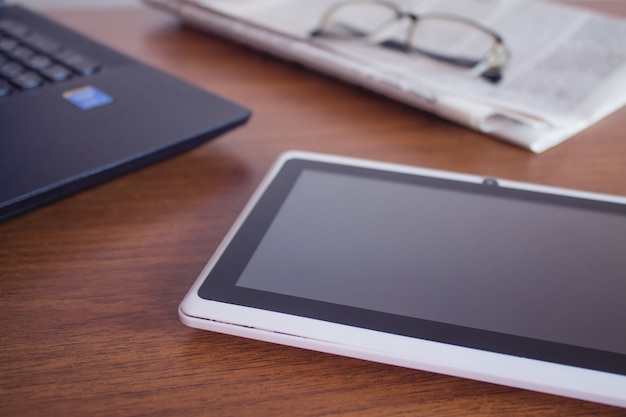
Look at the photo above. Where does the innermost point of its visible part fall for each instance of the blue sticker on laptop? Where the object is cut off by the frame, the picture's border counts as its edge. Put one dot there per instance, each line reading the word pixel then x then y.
pixel 87 97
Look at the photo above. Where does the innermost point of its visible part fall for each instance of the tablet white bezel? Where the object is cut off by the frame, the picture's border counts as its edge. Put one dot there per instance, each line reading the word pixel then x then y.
pixel 393 349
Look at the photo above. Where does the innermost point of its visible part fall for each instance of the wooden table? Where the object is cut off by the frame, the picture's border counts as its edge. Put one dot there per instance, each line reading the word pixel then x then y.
pixel 89 286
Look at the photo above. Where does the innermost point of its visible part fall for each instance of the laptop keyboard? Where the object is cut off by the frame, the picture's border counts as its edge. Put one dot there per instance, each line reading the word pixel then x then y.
pixel 29 59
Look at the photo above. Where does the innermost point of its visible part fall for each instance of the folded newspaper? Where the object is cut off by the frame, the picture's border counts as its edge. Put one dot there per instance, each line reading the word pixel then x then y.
pixel 567 68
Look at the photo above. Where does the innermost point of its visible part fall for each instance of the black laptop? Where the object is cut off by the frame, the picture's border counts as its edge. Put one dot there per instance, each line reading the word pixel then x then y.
pixel 74 113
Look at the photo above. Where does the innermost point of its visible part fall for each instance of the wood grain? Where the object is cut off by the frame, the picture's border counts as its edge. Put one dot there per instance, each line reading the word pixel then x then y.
pixel 89 286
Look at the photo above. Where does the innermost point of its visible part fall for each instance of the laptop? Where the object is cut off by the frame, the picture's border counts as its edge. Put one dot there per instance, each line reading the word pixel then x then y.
pixel 74 113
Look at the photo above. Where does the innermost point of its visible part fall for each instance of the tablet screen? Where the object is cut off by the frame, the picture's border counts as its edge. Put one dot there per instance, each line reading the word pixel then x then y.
pixel 512 271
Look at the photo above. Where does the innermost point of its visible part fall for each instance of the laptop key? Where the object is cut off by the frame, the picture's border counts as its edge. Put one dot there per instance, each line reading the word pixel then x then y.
pixel 86 67
pixel 11 69
pixel 13 28
pixel 7 44
pixel 42 43
pixel 38 62
pixel 56 73
pixel 27 81
pixel 5 88
pixel 21 53
pixel 77 62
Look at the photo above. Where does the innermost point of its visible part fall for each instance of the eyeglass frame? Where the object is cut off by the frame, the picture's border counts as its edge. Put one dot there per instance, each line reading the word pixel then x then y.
pixel 489 67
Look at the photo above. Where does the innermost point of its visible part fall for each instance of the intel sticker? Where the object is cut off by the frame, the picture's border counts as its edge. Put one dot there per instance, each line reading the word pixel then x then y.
pixel 87 97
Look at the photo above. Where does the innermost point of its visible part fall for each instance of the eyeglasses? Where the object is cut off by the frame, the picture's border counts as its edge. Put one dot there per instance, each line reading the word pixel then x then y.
pixel 448 38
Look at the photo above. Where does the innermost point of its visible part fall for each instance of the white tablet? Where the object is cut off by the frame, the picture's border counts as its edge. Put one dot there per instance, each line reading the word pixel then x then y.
pixel 494 280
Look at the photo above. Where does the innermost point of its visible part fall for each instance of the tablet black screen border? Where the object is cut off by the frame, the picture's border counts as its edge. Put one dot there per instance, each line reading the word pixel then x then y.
pixel 220 284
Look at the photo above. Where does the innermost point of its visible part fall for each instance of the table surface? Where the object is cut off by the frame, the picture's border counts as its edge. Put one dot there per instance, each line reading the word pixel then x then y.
pixel 89 286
